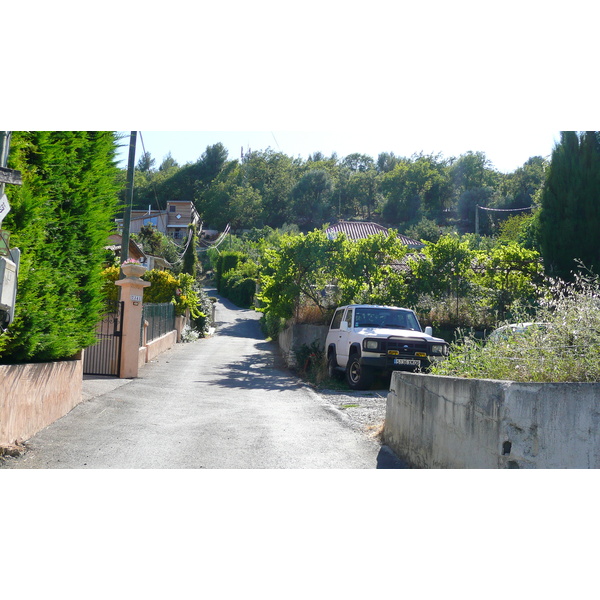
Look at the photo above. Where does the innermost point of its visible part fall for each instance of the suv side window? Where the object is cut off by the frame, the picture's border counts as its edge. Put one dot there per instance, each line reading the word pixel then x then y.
pixel 337 319
pixel 348 318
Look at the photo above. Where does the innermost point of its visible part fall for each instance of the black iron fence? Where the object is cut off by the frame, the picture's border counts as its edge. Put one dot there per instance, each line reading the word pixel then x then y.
pixel 160 319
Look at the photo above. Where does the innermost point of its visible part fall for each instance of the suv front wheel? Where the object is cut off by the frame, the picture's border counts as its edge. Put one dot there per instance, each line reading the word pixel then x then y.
pixel 358 377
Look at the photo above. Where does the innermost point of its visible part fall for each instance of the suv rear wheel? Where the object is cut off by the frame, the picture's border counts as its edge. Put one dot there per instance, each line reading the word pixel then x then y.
pixel 358 376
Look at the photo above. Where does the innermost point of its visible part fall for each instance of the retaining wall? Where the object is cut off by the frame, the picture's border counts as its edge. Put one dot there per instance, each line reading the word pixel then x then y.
pixel 295 336
pixel 447 422
pixel 32 396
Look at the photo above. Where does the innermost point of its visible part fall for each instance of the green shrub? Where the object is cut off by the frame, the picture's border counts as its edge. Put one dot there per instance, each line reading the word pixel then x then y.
pixel 565 348
pixel 226 261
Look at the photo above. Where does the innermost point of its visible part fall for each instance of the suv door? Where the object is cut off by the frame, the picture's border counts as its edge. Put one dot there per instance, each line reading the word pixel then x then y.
pixel 343 344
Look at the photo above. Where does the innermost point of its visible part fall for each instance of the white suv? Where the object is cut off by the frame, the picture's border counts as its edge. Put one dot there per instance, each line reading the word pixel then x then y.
pixel 364 338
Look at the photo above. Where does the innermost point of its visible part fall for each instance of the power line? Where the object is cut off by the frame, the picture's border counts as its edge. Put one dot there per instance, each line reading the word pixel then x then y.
pixel 504 209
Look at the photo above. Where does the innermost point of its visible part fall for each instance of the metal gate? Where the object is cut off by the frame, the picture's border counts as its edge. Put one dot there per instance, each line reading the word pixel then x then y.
pixel 104 357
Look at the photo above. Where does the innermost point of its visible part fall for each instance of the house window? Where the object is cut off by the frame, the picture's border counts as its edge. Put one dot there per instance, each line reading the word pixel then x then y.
pixel 172 208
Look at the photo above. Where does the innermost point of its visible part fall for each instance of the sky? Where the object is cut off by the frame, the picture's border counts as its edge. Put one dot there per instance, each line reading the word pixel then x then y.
pixel 507 150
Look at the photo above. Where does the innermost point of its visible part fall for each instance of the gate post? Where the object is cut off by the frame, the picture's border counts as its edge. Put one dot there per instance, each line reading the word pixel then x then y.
pixel 132 295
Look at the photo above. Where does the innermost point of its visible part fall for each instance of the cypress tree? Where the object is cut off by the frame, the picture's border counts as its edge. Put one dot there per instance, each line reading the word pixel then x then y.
pixel 190 256
pixel 569 221
pixel 60 219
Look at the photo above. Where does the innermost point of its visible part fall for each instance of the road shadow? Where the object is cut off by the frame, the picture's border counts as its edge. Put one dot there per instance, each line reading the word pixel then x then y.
pixel 255 372
pixel 386 459
pixel 242 328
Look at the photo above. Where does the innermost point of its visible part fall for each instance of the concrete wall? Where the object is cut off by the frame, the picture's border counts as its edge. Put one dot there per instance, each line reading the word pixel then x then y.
pixel 160 345
pixel 295 336
pixel 447 422
pixel 32 396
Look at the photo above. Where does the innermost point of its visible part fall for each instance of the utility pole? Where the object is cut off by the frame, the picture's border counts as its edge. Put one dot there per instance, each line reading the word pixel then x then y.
pixel 477 219
pixel 128 199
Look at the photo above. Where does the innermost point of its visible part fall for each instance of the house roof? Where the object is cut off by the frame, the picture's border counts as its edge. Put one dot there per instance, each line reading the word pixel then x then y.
pixel 359 230
pixel 116 241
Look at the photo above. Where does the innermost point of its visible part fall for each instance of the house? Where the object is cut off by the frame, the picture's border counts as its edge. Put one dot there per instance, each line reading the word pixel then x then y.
pixel 359 230
pixel 173 222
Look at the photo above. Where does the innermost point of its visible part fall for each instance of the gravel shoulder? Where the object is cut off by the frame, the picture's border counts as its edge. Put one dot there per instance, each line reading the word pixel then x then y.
pixel 364 410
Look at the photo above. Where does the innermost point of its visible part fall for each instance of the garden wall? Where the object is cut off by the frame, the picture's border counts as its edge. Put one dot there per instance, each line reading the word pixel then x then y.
pixel 32 396
pixel 295 336
pixel 447 422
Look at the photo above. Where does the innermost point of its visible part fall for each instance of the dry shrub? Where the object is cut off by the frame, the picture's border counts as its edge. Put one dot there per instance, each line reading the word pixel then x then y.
pixel 311 314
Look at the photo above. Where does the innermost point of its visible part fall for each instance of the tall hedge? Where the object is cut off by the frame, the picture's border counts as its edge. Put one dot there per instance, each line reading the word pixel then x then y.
pixel 60 219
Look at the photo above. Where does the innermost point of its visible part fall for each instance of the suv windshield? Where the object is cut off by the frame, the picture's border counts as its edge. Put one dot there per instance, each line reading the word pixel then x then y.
pixel 386 317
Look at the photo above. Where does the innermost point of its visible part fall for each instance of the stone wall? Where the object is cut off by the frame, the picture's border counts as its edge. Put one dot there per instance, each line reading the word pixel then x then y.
pixel 447 422
pixel 32 396
pixel 295 336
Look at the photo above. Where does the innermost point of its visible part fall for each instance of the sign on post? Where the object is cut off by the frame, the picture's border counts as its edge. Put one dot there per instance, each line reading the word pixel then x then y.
pixel 4 208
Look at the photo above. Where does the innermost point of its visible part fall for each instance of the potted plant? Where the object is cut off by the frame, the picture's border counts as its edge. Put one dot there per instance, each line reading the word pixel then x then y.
pixel 133 268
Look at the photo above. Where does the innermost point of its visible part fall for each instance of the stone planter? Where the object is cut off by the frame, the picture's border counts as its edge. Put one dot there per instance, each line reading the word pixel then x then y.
pixel 133 270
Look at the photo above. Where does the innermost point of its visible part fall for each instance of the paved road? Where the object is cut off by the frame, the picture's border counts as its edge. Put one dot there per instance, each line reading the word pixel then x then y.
pixel 218 403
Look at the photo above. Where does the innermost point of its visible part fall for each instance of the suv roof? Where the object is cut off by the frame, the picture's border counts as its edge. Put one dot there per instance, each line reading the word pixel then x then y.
pixel 372 306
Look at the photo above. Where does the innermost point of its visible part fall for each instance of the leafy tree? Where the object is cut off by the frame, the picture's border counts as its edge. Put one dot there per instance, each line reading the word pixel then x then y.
pixel 312 197
pixel 386 161
pixel 569 219
pixel 273 175
pixel 363 189
pixel 358 162
pixel 520 188
pixel 368 272
pixel 417 185
pixel 425 229
pixel 473 170
pixel 446 267
pixel 297 268
pixel 509 273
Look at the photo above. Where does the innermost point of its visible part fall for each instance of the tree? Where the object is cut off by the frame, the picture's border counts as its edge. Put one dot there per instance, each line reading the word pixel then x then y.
pixel 419 185
pixel 146 162
pixel 569 219
pixel 358 162
pixel 298 268
pixel 168 163
pixel 445 268
pixel 61 218
pixel 273 175
pixel 509 273
pixel 312 197
pixel 368 269
pixel 190 256
pixel 473 170
pixel 363 189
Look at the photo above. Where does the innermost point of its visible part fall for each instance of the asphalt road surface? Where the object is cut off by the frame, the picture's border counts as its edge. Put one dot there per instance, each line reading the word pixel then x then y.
pixel 223 402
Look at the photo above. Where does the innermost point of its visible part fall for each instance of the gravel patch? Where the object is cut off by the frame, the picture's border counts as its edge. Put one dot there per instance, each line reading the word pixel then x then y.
pixel 365 410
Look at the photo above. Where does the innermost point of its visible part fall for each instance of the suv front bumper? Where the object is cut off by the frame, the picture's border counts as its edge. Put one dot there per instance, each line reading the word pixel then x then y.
pixel 386 363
